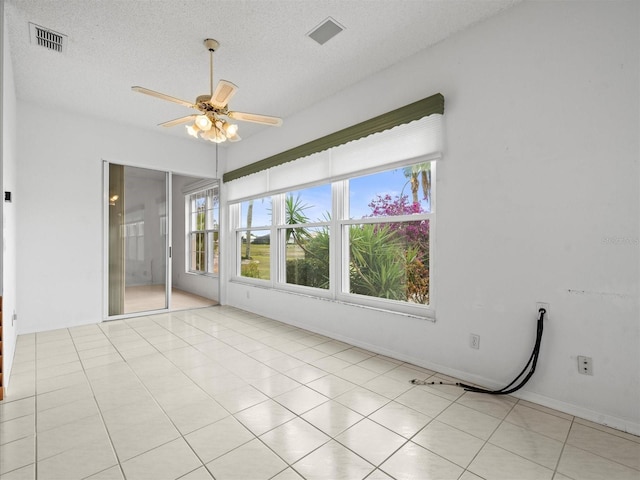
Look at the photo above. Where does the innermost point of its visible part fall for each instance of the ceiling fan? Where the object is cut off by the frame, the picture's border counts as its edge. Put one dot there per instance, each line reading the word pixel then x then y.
pixel 209 124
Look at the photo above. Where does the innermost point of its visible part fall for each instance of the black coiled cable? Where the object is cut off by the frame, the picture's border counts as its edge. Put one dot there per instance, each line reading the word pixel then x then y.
pixel 531 365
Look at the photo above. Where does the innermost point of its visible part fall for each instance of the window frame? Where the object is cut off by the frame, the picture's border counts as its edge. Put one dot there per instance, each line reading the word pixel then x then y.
pixel 281 257
pixel 208 230
pixel 339 244
pixel 237 229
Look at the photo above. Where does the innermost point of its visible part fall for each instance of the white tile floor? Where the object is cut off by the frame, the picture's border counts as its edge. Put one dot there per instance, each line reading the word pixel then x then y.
pixel 221 393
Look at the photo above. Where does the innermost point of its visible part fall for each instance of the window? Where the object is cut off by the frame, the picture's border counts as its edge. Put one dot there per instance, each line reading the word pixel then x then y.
pixel 253 239
pixel 304 235
pixel 361 240
pixel 351 216
pixel 203 231
pixel 387 235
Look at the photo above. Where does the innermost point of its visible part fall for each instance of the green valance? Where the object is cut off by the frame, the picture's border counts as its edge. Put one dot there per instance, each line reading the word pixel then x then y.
pixel 408 113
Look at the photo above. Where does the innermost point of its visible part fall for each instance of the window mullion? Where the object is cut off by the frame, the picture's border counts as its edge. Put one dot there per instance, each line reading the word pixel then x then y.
pixel 278 240
pixel 387 219
pixel 340 195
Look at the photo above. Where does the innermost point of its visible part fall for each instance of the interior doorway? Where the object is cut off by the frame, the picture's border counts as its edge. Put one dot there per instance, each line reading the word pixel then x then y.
pixel 195 234
pixel 145 244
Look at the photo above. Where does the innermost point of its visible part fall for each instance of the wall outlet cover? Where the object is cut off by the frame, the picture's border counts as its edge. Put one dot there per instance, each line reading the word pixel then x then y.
pixel 585 365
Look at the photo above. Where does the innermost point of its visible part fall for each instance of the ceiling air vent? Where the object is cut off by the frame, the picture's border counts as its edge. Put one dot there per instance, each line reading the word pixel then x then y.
pixel 324 32
pixel 47 38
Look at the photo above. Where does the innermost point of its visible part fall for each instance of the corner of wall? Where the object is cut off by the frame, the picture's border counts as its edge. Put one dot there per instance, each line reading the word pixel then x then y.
pixel 8 166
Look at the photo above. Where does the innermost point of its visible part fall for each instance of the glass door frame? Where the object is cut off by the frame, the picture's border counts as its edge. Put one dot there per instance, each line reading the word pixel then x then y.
pixel 105 245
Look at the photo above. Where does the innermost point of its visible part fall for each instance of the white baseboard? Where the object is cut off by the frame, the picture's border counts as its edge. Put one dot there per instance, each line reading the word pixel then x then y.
pixel 622 424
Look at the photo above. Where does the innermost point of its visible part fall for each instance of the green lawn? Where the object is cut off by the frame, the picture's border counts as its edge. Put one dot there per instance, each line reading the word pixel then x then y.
pixel 294 252
pixel 260 255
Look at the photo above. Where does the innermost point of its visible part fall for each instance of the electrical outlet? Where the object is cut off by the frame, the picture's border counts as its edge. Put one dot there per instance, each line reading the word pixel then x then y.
pixel 585 365
pixel 474 341
pixel 544 305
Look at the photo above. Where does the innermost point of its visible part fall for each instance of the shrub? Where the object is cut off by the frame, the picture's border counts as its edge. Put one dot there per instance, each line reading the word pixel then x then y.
pixel 377 263
pixel 307 272
pixel 250 270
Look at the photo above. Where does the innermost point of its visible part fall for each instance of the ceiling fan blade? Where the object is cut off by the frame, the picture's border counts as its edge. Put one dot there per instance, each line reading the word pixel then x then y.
pixel 256 118
pixel 177 121
pixel 162 96
pixel 223 93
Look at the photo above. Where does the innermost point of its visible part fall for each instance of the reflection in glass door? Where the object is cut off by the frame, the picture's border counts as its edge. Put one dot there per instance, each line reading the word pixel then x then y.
pixel 138 240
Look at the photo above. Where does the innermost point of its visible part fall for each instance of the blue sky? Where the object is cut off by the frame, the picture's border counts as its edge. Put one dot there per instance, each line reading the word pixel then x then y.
pixel 362 191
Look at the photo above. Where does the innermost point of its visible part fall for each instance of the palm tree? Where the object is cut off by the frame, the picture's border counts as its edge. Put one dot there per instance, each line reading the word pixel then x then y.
pixel 294 215
pixel 247 247
pixel 422 170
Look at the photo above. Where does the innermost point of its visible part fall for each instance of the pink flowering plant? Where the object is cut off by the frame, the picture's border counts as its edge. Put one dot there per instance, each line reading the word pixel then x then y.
pixel 409 241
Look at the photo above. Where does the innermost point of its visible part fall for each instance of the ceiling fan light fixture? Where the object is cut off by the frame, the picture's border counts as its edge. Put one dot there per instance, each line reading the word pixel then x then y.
pixel 203 122
pixel 214 134
pixel 220 136
pixel 217 137
pixel 193 130
pixel 213 129
pixel 230 129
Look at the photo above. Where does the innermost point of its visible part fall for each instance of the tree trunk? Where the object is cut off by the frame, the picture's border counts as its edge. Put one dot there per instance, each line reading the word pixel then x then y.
pixel 415 184
pixel 426 184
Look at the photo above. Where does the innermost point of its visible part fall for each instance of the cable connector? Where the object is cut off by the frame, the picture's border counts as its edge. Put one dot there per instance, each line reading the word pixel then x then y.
pixel 415 381
pixel 543 308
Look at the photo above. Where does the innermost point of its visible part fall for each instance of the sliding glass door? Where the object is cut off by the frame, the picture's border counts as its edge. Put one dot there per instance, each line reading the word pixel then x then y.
pixel 138 240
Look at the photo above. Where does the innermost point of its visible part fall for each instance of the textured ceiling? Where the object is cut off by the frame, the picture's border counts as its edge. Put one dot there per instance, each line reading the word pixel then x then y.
pixel 157 44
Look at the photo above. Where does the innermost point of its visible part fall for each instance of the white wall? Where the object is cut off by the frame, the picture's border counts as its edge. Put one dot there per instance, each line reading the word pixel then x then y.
pixel 8 175
pixel 537 201
pixel 60 211
pixel 199 284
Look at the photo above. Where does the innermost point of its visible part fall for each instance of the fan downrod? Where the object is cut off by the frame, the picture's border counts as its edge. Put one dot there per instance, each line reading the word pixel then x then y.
pixel 211 44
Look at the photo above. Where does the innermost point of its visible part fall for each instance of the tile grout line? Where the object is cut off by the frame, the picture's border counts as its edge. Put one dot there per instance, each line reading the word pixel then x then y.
pixel 327 373
pixel 269 398
pixel 5 402
pixel 273 399
pixel 466 469
pixel 204 391
pixel 35 403
pixel 93 393
pixel 234 323
pixel 299 416
pixel 256 437
pixel 181 435
pixel 564 444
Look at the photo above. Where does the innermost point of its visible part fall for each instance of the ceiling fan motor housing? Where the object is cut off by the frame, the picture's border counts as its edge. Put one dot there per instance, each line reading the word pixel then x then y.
pixel 211 44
